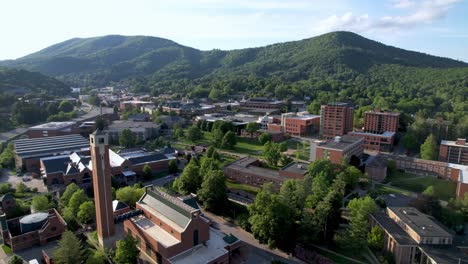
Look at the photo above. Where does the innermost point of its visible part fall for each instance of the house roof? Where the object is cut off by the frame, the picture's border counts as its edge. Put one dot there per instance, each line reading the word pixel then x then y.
pixel 393 229
pixel 422 224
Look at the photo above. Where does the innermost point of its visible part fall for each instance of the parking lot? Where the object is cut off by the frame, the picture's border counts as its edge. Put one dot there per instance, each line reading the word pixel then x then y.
pixel 28 180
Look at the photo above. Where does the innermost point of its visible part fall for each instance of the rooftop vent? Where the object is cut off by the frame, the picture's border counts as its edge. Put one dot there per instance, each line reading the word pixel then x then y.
pixel 337 139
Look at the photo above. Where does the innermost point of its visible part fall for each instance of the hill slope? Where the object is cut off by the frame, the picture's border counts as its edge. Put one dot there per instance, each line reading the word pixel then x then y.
pixel 15 81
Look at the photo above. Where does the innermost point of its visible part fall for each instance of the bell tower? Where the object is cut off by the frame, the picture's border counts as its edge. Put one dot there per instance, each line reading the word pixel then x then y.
pixel 99 143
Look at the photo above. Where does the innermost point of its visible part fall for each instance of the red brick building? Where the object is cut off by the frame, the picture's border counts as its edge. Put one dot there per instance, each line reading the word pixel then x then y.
pixel 301 125
pixel 376 142
pixel 171 231
pixel 379 122
pixel 32 230
pixel 336 119
pixel 338 149
pixel 454 151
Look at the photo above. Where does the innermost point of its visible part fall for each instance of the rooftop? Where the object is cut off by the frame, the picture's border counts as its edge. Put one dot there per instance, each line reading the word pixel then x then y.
pixel 296 167
pixel 444 254
pixel 395 231
pixel 141 157
pixel 341 143
pixel 155 232
pixel 121 124
pixel 387 134
pixel 205 252
pixel 383 113
pixel 245 165
pixel 421 223
pixel 304 117
pixel 454 143
pixel 338 104
pixel 36 147
pixel 53 126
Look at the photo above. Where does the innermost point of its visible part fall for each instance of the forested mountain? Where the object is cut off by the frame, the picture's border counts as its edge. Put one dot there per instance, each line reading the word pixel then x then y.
pixel 331 67
pixel 14 81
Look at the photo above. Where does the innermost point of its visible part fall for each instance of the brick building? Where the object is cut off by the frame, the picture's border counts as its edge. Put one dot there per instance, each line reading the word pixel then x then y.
pixel 32 230
pixel 454 151
pixel 249 170
pixel 171 231
pixel 336 119
pixel 261 103
pixel 379 122
pixel 141 130
pixel 133 104
pixel 413 237
pixel 338 149
pixel 300 124
pixel 52 129
pixel 376 142
pixel 28 152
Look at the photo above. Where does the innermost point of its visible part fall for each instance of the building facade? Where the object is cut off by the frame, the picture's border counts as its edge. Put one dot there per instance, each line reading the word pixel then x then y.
pixel 454 151
pixel 379 122
pixel 336 119
pixel 338 149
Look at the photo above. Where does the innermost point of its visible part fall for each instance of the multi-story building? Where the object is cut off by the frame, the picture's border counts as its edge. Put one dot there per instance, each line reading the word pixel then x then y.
pixel 261 103
pixel 133 104
pixel 28 152
pixel 300 124
pixel 454 151
pixel 141 130
pixel 376 142
pixel 172 231
pixel 32 230
pixel 413 237
pixel 336 119
pixel 379 122
pixel 338 149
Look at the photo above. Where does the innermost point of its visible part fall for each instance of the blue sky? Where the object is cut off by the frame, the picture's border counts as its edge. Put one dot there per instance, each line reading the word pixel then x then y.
pixel 438 27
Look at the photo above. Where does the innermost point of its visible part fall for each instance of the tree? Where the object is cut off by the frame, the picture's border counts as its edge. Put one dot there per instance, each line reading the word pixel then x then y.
pixel 126 138
pixel 285 160
pixel 409 141
pixel 15 260
pixel 375 238
pixel 429 148
pixel 100 123
pixel 252 127
pixel 76 200
pixel 194 133
pixel 190 180
pixel 7 158
pixel 69 191
pixel 172 166
pixel 218 136
pixel 272 153
pixel 293 195
pixel 177 133
pixel 271 219
pixel 211 150
pixel 264 138
pixel 96 257
pixel 69 250
pixel 65 106
pixel 86 212
pixel 127 251
pixel 229 140
pixel 283 146
pixel 40 203
pixel 429 191
pixel 147 171
pixel 213 191
pixel 21 188
pixel 130 194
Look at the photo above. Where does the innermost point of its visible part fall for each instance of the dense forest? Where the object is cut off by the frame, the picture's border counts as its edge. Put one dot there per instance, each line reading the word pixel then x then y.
pixel 338 66
pixel 13 81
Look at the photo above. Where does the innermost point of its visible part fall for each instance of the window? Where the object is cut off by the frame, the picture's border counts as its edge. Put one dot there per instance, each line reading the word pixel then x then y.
pixel 195 237
pixel 148 249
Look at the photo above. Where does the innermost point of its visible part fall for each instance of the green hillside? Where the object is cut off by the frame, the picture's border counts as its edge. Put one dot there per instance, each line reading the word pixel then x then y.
pixel 13 81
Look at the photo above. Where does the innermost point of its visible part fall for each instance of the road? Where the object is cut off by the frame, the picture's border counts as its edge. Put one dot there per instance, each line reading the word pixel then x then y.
pixel 257 248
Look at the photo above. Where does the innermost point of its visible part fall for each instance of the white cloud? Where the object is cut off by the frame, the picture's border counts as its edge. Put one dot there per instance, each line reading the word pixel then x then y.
pixel 423 13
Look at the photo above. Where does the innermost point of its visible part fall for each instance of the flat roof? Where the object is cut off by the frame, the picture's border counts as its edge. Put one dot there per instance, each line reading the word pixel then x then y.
pixel 383 113
pixel 344 142
pixel 35 147
pixel 304 117
pixel 154 231
pixel 387 134
pixel 121 124
pixel 444 254
pixel 421 223
pixel 296 167
pixel 393 229
pixel 453 144
pixel 53 125
pixel 244 165
pixel 204 252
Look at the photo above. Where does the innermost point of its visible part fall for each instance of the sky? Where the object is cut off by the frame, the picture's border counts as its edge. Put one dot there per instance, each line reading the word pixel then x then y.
pixel 437 27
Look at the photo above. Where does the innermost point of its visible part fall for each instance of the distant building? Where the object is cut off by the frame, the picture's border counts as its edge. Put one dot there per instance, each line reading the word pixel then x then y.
pixel 141 130
pixel 376 168
pixel 51 129
pixel 454 151
pixel 300 124
pixel 28 152
pixel 413 237
pixel 248 170
pixel 336 119
pixel 261 103
pixel 133 104
pixel 32 230
pixel 338 149
pixel 172 231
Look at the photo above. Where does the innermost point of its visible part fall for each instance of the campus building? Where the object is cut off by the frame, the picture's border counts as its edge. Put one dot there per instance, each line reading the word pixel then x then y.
pixel 336 119
pixel 172 231
pixel 32 230
pixel 379 122
pixel 248 170
pixel 337 149
pixel 454 151
pixel 141 130
pixel 382 142
pixel 28 152
pixel 261 103
pixel 413 237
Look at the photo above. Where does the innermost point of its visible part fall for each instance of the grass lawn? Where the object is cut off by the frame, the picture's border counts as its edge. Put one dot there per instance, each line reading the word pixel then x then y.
pixel 443 189
pixel 334 257
pixel 248 146
pixel 6 249
pixel 303 146
pixel 244 187
pixel 399 175
pixel 383 189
